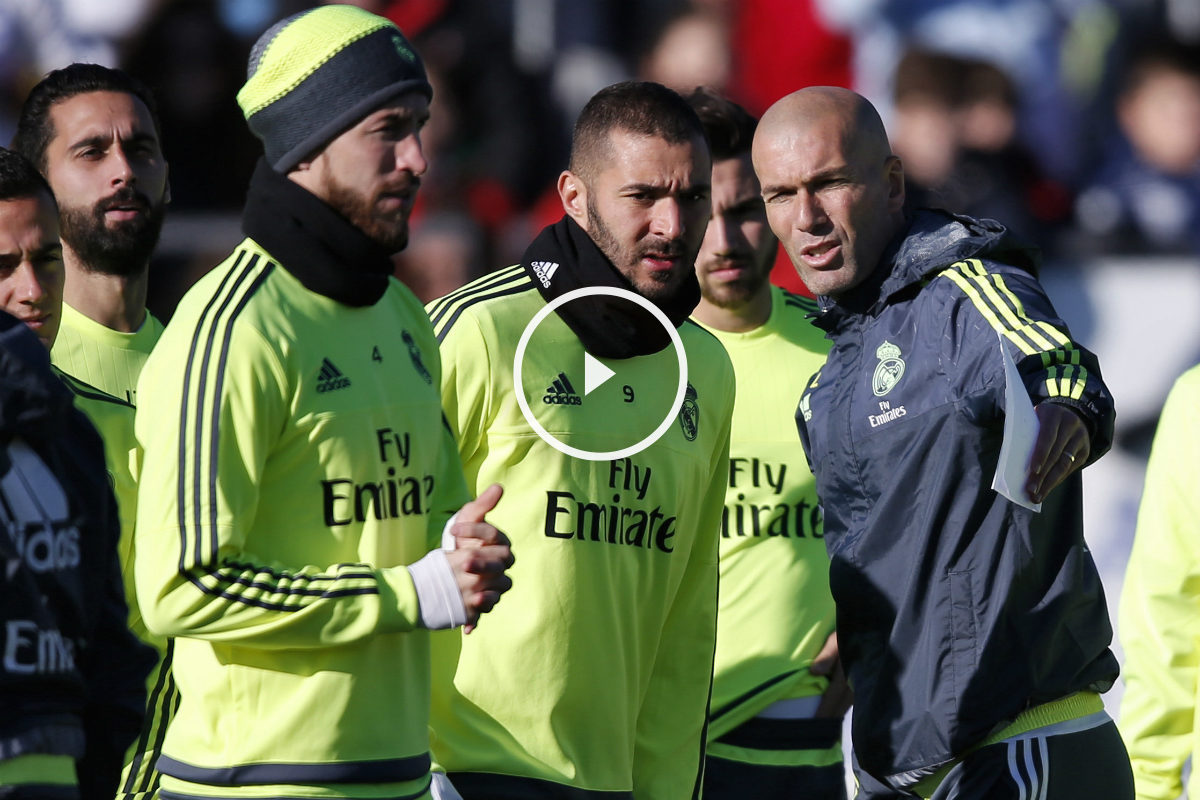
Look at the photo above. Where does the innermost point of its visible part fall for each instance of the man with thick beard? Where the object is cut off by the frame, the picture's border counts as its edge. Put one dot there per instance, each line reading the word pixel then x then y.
pixel 93 134
pixel 592 679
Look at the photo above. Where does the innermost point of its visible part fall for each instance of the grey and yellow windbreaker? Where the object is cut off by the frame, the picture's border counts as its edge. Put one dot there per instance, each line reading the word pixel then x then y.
pixel 957 609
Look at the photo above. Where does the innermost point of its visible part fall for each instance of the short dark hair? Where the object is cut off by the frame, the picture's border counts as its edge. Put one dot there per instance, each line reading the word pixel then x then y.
pixel 930 76
pixel 728 126
pixel 1155 54
pixel 34 128
pixel 19 178
pixel 640 107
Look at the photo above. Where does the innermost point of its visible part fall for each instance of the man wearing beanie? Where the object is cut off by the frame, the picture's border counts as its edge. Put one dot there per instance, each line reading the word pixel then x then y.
pixel 592 679
pixel 298 475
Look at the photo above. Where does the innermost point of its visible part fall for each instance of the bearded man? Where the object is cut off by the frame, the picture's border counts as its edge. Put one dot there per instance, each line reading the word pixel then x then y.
pixel 93 134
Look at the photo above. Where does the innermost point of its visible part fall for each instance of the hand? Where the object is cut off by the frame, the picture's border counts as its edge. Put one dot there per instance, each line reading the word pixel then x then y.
pixel 481 554
pixel 837 697
pixel 1062 447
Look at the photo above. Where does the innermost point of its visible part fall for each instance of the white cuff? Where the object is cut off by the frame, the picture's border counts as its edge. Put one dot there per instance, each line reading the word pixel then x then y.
pixel 448 541
pixel 442 789
pixel 437 592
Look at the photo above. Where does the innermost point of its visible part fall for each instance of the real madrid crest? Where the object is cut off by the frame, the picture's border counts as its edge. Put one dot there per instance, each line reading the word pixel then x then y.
pixel 689 414
pixel 414 353
pixel 890 369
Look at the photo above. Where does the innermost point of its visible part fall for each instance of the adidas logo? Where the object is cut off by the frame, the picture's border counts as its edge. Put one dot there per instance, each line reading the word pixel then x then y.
pixel 330 378
pixel 545 271
pixel 561 392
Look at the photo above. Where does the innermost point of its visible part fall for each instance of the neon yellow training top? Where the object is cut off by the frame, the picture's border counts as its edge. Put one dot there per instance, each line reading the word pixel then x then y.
pixel 102 367
pixel 296 458
pixel 1160 608
pixel 775 610
pixel 594 670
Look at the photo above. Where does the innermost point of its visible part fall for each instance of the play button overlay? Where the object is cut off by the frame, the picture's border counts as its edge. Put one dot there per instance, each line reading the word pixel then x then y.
pixel 595 373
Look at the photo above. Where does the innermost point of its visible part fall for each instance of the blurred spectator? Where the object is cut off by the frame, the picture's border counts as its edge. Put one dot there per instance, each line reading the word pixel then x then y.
pixel 34 39
pixel 692 50
pixel 1023 37
pixel 1144 197
pixel 956 131
pixel 444 252
pixel 782 45
pixel 924 133
pixel 194 65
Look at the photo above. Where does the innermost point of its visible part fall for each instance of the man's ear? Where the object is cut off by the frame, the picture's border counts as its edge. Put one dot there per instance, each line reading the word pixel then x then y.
pixel 167 188
pixel 573 192
pixel 306 174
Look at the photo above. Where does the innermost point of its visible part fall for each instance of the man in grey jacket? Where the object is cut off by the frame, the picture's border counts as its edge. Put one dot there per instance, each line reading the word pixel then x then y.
pixel 973 628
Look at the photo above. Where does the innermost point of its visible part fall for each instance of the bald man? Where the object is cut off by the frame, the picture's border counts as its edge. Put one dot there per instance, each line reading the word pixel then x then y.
pixel 974 629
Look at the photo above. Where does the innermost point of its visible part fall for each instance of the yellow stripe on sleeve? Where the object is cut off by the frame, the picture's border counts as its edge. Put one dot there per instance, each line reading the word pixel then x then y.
pixel 988 313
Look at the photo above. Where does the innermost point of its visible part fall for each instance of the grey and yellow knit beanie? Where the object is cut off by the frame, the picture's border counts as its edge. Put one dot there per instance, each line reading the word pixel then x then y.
pixel 318 73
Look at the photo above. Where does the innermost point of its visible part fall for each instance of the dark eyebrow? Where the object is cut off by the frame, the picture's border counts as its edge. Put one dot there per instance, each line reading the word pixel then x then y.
pixel 840 172
pixel 654 188
pixel 100 140
pixel 393 115
pixel 835 173
pixel 90 141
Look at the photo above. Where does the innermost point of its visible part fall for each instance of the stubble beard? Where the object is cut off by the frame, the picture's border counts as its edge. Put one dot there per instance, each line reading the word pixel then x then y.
pixel 655 286
pixel 737 293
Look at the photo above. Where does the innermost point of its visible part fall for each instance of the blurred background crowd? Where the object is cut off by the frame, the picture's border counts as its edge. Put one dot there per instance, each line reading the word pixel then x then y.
pixel 1076 122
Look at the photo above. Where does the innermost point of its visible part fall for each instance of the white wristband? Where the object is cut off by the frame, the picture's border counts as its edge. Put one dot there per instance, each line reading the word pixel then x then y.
pixel 442 789
pixel 448 540
pixel 437 592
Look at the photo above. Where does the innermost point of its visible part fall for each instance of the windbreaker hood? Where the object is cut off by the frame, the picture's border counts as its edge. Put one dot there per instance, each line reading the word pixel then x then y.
pixel 32 398
pixel 935 239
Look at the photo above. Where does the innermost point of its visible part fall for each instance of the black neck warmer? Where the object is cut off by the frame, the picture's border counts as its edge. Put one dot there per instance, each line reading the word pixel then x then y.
pixel 316 244
pixel 608 327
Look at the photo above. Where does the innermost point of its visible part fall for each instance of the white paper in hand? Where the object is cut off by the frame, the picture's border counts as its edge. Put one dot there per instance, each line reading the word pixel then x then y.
pixel 1020 433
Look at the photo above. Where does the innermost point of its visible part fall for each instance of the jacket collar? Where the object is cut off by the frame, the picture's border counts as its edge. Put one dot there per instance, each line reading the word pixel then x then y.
pixel 608 327
pixel 316 244
pixel 930 241
pixel 33 401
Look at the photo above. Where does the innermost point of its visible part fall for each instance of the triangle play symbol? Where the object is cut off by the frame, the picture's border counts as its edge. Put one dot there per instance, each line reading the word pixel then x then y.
pixel 594 373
